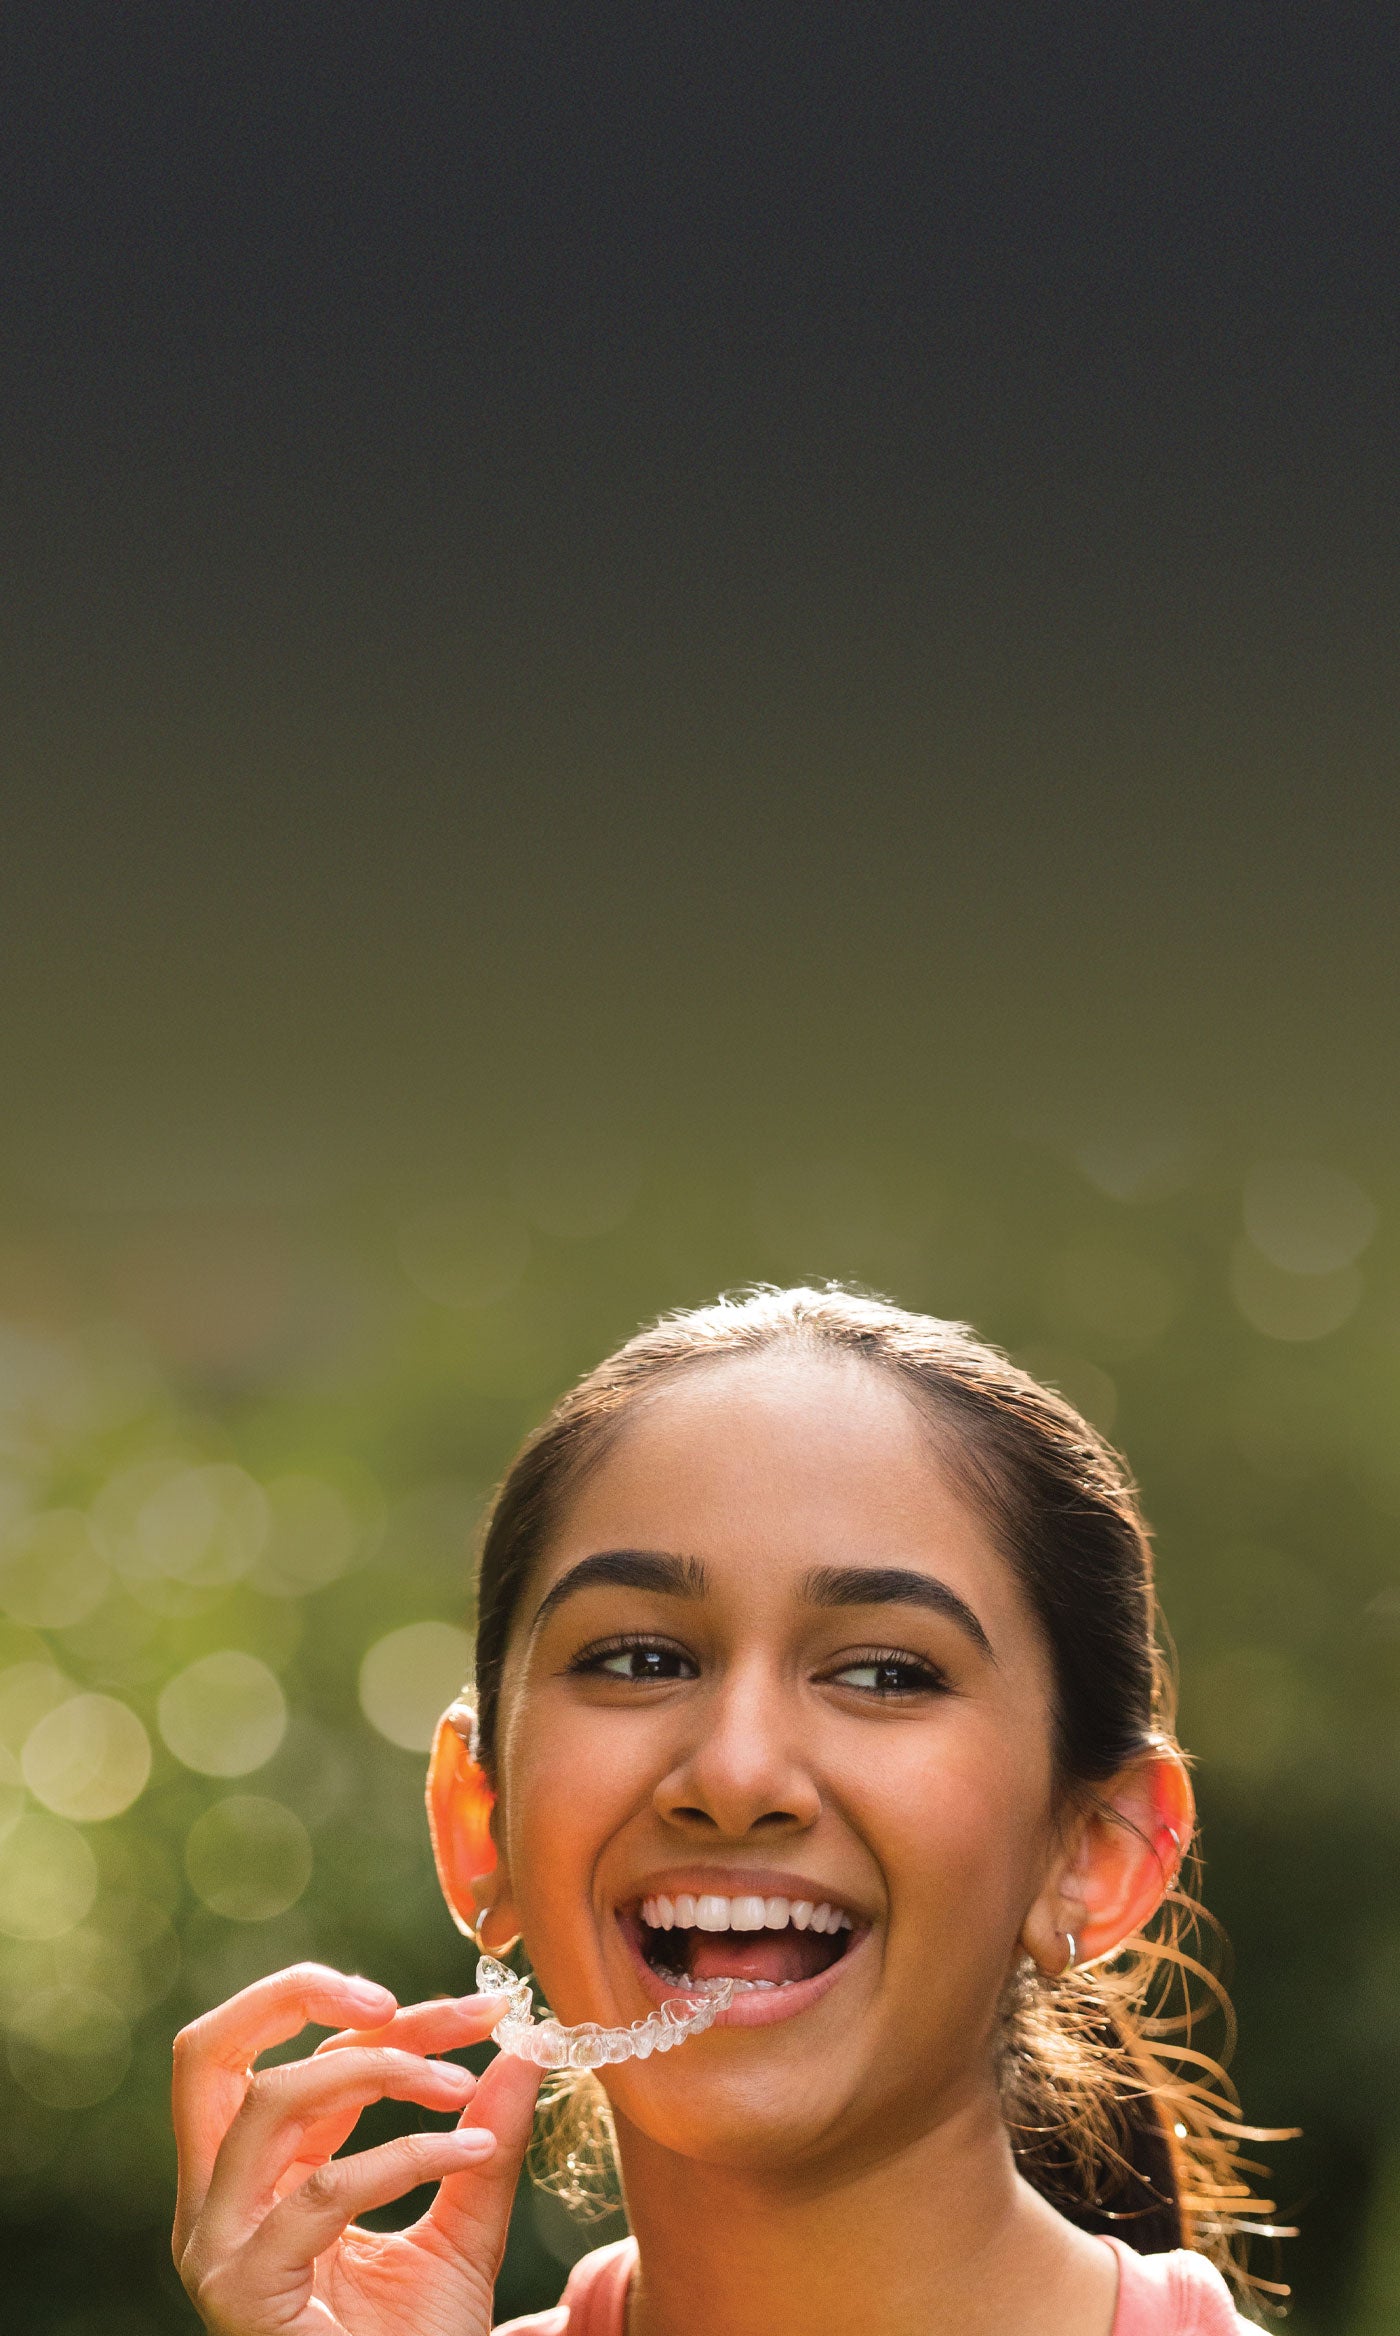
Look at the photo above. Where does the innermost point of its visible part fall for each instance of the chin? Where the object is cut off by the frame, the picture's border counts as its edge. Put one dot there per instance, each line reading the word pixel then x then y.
pixel 746 2124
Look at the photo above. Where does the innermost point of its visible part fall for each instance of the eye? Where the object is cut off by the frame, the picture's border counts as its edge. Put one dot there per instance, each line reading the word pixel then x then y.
pixel 889 1675
pixel 635 1660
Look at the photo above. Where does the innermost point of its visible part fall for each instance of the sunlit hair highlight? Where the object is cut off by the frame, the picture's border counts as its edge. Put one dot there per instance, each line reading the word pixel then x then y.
pixel 1118 2111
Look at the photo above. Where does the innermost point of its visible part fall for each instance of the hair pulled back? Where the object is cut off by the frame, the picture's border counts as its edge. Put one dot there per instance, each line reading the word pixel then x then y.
pixel 1114 2112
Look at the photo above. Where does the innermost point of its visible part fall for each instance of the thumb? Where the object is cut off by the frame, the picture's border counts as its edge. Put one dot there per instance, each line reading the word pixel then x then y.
pixel 472 2209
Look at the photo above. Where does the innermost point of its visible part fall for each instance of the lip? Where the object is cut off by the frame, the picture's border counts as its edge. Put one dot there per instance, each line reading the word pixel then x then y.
pixel 761 2008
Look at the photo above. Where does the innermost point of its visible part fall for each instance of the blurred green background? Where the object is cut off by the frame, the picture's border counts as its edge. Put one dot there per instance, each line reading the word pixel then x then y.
pixel 643 646
pixel 243 1450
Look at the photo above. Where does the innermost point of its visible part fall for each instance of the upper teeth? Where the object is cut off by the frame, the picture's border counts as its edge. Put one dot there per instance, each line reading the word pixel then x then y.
pixel 714 1913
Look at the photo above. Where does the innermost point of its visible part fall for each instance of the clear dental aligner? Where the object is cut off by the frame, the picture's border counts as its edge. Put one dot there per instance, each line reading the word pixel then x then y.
pixel 551 2045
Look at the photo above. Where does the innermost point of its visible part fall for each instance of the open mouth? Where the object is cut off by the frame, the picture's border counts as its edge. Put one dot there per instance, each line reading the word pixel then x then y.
pixel 691 1941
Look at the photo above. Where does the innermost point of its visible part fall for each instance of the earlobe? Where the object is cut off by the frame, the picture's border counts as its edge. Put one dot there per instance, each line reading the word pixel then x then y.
pixel 460 1808
pixel 1047 1935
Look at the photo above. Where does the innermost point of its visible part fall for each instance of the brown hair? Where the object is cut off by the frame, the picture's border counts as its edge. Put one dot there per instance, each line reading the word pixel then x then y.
pixel 1115 2112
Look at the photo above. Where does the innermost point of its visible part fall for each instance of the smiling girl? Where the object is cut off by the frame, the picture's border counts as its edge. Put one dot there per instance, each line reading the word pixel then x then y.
pixel 815 1677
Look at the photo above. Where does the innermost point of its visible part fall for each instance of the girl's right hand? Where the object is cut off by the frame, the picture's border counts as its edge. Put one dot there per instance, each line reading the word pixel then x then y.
pixel 265 2238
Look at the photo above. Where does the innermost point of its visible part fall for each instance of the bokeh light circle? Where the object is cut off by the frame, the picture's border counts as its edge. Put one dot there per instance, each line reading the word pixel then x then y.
pixel 223 1715
pixel 204 1526
pixel 52 1573
pixel 27 1691
pixel 1293 1307
pixel 13 1798
pixel 88 1759
pixel 127 1949
pixel 1306 1218
pixel 248 1858
pixel 312 1538
pixel 410 1676
pixel 164 1522
pixel 48 1878
pixel 132 1975
pixel 69 2047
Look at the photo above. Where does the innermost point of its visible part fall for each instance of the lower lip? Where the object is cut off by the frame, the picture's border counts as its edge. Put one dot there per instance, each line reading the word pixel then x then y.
pixel 757 2007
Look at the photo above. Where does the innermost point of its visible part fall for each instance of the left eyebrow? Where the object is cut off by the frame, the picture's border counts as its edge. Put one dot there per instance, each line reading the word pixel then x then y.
pixel 893 1585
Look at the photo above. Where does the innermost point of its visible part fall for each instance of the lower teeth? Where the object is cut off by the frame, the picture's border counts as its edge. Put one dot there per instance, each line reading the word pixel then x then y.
pixel 712 1986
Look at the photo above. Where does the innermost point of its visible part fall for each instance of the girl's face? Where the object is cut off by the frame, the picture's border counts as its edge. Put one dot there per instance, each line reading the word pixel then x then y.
pixel 772 1654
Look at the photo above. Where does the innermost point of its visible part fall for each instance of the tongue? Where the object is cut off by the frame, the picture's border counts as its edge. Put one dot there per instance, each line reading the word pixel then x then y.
pixel 779 1955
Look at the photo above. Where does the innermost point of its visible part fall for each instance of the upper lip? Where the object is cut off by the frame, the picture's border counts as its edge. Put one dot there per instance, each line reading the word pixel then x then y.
pixel 741 1882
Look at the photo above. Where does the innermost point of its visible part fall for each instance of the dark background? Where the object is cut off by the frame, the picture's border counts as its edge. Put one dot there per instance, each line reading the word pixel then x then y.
pixel 781 616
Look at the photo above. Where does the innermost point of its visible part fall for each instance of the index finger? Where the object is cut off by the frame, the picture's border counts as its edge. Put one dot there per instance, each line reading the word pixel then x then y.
pixel 275 2009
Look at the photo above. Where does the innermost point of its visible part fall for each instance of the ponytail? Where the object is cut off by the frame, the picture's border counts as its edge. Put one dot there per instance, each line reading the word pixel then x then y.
pixel 1118 2113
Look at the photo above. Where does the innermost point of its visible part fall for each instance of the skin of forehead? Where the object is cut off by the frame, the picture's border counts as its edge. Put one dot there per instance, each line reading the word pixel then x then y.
pixel 694 1471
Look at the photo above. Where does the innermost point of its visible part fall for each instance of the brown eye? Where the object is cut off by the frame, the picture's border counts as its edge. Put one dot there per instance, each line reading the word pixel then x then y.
pixel 636 1661
pixel 888 1675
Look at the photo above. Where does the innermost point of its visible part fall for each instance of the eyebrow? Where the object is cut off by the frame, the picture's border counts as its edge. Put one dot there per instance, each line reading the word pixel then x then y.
pixel 828 1585
pixel 893 1585
pixel 626 1569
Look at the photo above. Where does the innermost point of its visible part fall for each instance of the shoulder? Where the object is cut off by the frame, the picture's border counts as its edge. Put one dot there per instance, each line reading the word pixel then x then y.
pixel 594 2303
pixel 1178 2294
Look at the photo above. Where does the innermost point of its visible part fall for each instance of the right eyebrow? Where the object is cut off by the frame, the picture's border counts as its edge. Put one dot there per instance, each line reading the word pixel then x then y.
pixel 627 1569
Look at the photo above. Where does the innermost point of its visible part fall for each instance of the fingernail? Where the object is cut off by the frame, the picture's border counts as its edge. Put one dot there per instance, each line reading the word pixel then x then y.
pixel 373 1998
pixel 471 2141
pixel 471 2003
pixel 460 2079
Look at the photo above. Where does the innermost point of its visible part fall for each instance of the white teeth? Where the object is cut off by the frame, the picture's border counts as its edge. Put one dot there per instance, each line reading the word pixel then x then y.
pixel 712 1912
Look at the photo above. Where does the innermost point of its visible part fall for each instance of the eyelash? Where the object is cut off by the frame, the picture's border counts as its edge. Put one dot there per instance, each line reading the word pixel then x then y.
pixel 591 1659
pixel 919 1676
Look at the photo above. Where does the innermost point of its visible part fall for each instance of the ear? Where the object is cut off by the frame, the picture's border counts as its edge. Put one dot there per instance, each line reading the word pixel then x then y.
pixel 461 1824
pixel 1118 1862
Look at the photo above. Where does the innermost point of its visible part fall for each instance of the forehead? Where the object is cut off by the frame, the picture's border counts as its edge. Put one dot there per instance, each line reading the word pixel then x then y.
pixel 778 1462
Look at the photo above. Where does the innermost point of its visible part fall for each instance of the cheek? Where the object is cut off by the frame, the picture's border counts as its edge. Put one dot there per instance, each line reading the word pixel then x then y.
pixel 564 1805
pixel 961 1825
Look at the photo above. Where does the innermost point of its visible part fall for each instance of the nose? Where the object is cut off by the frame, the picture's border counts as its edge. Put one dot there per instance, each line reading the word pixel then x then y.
pixel 742 1771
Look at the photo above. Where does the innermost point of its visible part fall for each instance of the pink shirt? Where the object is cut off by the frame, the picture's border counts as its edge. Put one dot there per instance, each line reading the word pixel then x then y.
pixel 1158 2295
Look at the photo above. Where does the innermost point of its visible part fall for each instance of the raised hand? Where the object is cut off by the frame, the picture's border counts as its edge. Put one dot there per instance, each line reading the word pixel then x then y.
pixel 265 2238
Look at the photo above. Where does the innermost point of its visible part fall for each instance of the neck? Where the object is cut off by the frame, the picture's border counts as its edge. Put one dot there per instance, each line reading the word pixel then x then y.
pixel 942 2239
